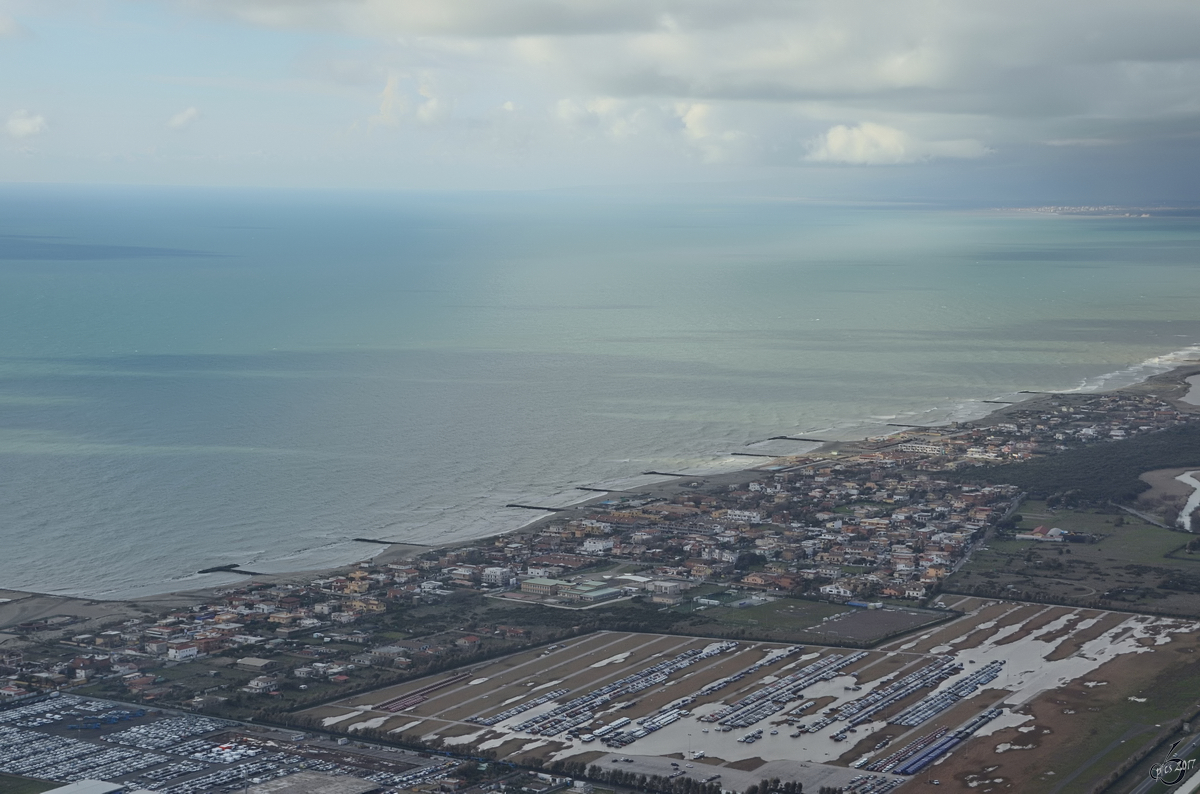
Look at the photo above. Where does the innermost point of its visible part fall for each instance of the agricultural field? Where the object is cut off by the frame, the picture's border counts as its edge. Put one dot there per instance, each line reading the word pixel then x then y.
pixel 1132 565
pixel 1009 691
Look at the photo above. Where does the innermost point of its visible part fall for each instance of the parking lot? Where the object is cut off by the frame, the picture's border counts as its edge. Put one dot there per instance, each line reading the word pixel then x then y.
pixel 68 738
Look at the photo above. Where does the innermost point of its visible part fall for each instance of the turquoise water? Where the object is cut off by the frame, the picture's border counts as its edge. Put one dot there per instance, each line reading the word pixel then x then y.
pixel 189 379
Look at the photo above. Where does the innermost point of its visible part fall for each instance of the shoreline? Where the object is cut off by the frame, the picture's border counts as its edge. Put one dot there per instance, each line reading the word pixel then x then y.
pixel 1179 385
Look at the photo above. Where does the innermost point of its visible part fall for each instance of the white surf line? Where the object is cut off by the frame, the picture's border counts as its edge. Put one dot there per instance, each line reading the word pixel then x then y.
pixel 1189 478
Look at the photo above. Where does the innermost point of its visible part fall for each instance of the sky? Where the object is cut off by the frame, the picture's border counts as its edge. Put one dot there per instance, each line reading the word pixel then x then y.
pixel 1066 101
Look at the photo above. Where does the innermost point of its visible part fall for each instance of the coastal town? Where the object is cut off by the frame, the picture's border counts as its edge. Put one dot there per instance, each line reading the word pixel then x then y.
pixel 876 526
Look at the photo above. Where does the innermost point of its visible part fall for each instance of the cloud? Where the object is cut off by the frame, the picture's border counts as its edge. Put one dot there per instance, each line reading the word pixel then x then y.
pixel 391 104
pixel 866 144
pixel 183 118
pixel 23 124
pixel 703 130
pixel 643 84
pixel 433 108
pixel 409 97
pixel 449 17
pixel 1026 63
pixel 878 144
pixel 11 28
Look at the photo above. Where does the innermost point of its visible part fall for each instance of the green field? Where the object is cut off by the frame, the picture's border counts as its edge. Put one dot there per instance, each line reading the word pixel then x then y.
pixel 12 784
pixel 1127 568
pixel 786 616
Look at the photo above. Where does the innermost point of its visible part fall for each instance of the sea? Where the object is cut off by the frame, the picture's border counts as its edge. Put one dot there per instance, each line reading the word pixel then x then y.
pixel 192 378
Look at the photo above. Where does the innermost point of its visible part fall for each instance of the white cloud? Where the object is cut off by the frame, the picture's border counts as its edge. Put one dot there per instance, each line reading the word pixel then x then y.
pixel 1020 71
pixel 878 144
pixel 411 97
pixel 433 108
pixel 702 129
pixel 391 104
pixel 23 124
pixel 11 28
pixel 866 144
pixel 183 118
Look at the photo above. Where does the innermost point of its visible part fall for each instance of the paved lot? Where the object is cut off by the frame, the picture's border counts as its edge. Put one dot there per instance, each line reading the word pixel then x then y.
pixel 68 738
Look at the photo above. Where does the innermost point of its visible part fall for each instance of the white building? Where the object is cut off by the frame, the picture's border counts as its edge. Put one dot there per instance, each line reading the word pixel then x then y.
pixel 597 546
pixel 922 447
pixel 181 653
pixel 260 685
pixel 501 577
pixel 666 587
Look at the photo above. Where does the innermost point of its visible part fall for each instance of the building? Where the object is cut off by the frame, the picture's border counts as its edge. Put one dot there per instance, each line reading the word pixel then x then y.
pixel 665 587
pixel 499 577
pixel 836 591
pixel 255 664
pixel 543 587
pixel 921 447
pixel 598 546
pixel 97 787
pixel 1054 535
pixel 600 594
pixel 260 685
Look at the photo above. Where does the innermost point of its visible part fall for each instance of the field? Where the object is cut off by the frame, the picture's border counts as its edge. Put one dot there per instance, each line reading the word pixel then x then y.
pixel 1078 690
pixel 800 620
pixel 12 784
pixel 1128 568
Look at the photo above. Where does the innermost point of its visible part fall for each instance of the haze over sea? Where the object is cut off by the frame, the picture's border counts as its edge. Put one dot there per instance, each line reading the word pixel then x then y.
pixel 196 378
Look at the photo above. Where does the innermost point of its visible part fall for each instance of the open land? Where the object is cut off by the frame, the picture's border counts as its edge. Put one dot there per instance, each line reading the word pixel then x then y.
pixel 1127 563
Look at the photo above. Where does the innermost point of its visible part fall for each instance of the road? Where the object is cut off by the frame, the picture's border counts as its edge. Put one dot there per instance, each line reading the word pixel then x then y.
pixel 1189 785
